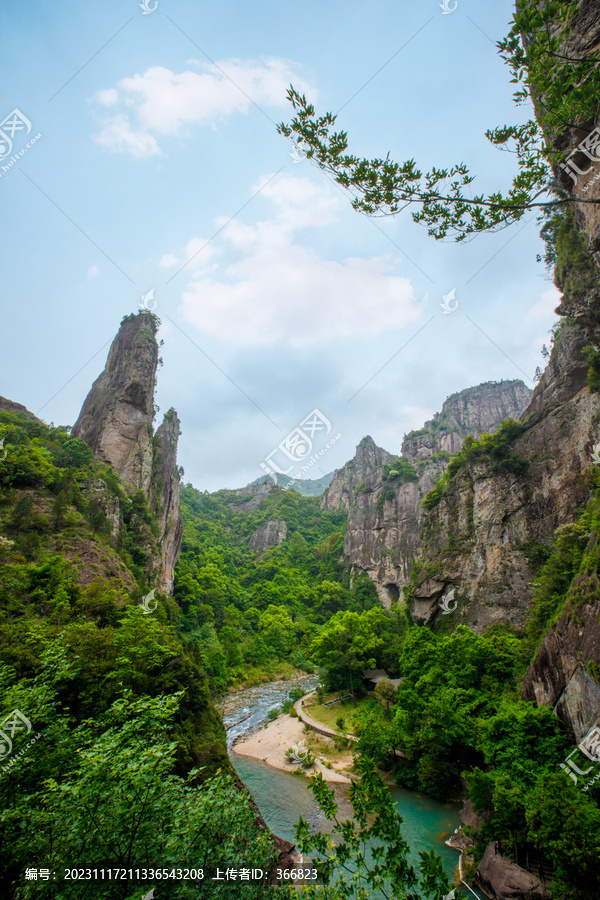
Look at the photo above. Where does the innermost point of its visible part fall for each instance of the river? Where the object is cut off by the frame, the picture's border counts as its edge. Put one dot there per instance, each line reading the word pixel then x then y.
pixel 282 798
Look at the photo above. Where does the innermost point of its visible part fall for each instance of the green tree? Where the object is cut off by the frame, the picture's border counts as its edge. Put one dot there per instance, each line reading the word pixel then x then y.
pixel 348 642
pixel 59 510
pixel 118 804
pixel 535 55
pixel 75 453
pixel 385 693
pixel 277 630
pixel 349 871
pixel 566 826
pixel 20 519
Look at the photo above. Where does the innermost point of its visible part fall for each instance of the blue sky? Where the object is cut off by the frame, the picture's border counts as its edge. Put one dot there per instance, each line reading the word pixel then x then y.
pixel 159 167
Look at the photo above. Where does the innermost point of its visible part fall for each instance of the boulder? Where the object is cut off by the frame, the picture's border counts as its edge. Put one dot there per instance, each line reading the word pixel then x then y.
pixel 504 880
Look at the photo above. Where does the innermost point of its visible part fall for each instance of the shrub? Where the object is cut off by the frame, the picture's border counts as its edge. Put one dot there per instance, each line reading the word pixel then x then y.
pixel 296 693
pixel 431 500
pixel 593 361
pixel 401 470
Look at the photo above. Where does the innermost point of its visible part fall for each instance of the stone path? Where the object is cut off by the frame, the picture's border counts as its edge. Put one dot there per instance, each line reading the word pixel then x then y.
pixel 318 726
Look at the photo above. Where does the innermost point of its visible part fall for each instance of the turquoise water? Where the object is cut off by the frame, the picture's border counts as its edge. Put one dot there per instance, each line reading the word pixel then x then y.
pixel 282 798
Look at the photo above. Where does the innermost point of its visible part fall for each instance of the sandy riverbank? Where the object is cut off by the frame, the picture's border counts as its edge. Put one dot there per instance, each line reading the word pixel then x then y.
pixel 270 745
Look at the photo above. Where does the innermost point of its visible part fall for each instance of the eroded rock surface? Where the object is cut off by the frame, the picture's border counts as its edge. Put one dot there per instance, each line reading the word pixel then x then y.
pixel 384 509
pixel 117 414
pixel 116 422
pixel 271 534
pixel 504 880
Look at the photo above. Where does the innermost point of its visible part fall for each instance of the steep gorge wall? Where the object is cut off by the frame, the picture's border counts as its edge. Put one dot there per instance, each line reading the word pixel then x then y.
pixel 564 673
pixel 479 536
pixel 384 508
pixel 477 539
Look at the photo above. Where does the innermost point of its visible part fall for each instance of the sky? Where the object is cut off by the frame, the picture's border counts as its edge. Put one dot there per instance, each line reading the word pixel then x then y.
pixel 152 163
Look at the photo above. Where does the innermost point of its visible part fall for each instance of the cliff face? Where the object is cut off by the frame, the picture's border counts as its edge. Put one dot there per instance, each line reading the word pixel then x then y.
pixel 117 414
pixel 165 497
pixel 582 40
pixel 116 422
pixel 271 534
pixel 382 494
pixel 480 535
pixel 477 538
pixel 564 673
pixel 11 406
pixel 470 412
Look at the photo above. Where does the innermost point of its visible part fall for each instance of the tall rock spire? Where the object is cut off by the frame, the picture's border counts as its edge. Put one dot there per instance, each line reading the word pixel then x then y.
pixel 116 422
pixel 116 417
pixel 165 496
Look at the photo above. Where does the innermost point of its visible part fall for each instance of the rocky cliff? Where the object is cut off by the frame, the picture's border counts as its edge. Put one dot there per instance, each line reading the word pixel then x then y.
pixel 165 496
pixel 271 534
pixel 117 414
pixel 471 412
pixel 580 40
pixel 382 493
pixel 502 503
pixel 11 406
pixel 503 499
pixel 116 422
pixel 564 673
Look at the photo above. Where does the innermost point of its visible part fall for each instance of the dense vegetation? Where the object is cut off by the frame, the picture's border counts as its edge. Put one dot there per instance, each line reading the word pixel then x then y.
pixel 127 766
pixel 459 719
pixel 251 613
pixel 121 705
pixel 495 449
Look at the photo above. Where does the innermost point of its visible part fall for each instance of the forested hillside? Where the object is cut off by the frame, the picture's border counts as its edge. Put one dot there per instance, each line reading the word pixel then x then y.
pixel 116 705
pixel 252 614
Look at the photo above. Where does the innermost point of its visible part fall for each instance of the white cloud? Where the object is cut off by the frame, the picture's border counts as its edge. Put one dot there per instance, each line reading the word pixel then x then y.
pixel 196 254
pixel 168 260
pixel 546 305
pixel 108 97
pixel 277 289
pixel 163 101
pixel 117 135
pixel 93 272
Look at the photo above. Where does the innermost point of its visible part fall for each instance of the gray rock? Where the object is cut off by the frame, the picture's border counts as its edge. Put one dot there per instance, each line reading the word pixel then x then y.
pixel 385 515
pixel 116 422
pixel 503 880
pixel 271 534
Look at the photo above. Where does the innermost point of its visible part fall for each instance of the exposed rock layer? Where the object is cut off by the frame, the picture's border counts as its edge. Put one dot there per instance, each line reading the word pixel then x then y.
pixel 271 534
pixel 11 406
pixel 117 414
pixel 477 538
pixel 564 674
pixel 384 514
pixel 165 497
